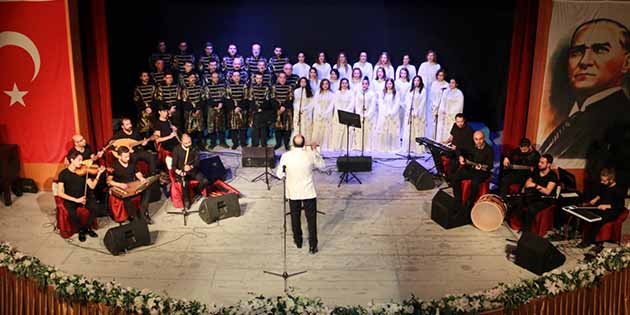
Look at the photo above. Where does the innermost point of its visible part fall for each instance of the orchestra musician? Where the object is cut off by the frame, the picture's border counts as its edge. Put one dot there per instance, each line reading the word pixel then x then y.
pixel 524 156
pixel 140 151
pixel 165 132
pixel 541 183
pixel 186 166
pixel 461 140
pixel 609 203
pixel 125 172
pixel 80 146
pixel 476 167
pixel 72 187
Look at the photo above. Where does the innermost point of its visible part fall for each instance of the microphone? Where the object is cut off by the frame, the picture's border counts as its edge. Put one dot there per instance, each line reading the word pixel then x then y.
pixel 444 88
pixel 284 169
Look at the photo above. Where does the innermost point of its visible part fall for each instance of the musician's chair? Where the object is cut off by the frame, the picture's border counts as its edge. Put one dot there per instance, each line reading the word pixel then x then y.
pixel 466 185
pixel 65 226
pixel 610 231
pixel 117 209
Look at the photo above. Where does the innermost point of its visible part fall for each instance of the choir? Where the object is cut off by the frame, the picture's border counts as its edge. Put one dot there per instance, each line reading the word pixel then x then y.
pixel 232 93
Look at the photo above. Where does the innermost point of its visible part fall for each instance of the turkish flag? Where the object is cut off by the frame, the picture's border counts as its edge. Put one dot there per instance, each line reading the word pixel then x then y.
pixel 37 104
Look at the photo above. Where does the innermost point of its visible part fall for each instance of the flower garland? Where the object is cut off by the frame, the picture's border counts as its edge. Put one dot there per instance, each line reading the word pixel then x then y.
pixel 78 288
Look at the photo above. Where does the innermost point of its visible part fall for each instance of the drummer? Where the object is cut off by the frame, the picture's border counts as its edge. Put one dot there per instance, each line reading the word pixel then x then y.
pixel 124 173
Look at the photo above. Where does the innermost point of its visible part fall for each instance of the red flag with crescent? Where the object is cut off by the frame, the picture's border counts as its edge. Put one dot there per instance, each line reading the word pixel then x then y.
pixel 37 103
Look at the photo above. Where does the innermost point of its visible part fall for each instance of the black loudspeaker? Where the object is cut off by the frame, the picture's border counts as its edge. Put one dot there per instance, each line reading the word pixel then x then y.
pixel 213 168
pixel 255 157
pixel 443 211
pixel 537 254
pixel 24 185
pixel 354 164
pixel 219 208
pixel 155 193
pixel 418 176
pixel 126 237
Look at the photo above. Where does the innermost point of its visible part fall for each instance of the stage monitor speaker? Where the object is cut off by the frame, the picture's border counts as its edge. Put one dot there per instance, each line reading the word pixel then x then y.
pixel 255 157
pixel 537 254
pixel 219 208
pixel 418 176
pixel 443 211
pixel 354 164
pixel 213 168
pixel 126 237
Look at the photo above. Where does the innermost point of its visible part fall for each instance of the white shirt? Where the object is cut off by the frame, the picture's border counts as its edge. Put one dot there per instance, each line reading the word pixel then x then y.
pixel 427 72
pixel 389 71
pixel 299 172
pixel 323 71
pixel 410 68
pixel 366 69
pixel 301 69
pixel 592 99
pixel 344 72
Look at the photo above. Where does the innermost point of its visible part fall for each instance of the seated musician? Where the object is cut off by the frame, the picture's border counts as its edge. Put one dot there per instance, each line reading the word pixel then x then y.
pixel 124 173
pixel 477 167
pixel 139 152
pixel 80 146
pixel 72 189
pixel 609 202
pixel 186 166
pixel 524 155
pixel 541 183
pixel 165 132
pixel 461 140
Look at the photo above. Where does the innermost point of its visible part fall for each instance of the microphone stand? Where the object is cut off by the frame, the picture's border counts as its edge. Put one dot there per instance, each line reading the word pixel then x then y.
pixel 436 115
pixel 410 118
pixel 185 212
pixel 363 125
pixel 266 174
pixel 300 112
pixel 284 275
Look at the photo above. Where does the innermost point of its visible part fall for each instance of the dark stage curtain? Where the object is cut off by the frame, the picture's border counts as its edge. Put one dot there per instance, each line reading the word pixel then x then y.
pixel 96 55
pixel 519 78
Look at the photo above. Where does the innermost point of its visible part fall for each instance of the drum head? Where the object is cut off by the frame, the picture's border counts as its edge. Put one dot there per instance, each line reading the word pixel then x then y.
pixel 487 215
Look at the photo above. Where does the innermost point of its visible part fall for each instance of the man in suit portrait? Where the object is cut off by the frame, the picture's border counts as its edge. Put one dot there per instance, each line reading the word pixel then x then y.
pixel 598 64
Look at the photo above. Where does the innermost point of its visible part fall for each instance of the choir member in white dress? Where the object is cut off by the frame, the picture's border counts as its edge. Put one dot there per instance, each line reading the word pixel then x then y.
pixel 355 81
pixel 322 114
pixel 414 107
pixel 403 86
pixel 378 85
pixel 323 67
pixel 386 63
pixel 406 65
pixel 341 101
pixel 364 65
pixel 429 68
pixel 452 103
pixel 301 68
pixel 365 106
pixel 345 70
pixel 303 109
pixel 334 80
pixel 388 124
pixel 438 87
pixel 313 81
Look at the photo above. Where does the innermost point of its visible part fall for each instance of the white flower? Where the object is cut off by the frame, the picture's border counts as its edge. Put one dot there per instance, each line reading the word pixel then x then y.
pixel 3 256
pixel 11 267
pixel 27 263
pixel 138 301
pixel 18 256
pixel 408 309
pixel 551 287
pixel 70 289
pixel 108 287
pixel 53 276
pixel 151 303
pixel 290 303
pixel 154 312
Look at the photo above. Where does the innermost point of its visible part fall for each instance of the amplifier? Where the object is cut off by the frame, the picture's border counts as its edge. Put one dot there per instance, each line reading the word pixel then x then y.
pixel 255 157
pixel 354 164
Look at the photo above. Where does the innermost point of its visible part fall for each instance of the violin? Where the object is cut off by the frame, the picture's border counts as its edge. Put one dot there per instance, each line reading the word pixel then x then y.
pixel 86 169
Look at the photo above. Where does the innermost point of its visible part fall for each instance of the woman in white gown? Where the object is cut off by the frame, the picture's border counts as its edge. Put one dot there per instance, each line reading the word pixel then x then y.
pixel 403 86
pixel 414 106
pixel 303 109
pixel 313 81
pixel 364 101
pixel 437 88
pixel 334 80
pixel 429 68
pixel 301 68
pixel 322 114
pixel 406 64
pixel 341 101
pixel 388 124
pixel 366 68
pixel 386 63
pixel 345 70
pixel 378 85
pixel 355 81
pixel 452 103
pixel 322 67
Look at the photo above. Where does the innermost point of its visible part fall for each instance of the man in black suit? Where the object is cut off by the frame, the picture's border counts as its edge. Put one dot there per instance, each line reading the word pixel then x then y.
pixel 599 58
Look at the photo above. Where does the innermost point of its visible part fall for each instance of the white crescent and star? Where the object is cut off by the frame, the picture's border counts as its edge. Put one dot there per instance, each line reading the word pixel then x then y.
pixel 9 38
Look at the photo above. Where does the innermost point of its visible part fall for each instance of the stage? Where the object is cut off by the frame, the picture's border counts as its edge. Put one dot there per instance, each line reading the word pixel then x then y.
pixel 376 243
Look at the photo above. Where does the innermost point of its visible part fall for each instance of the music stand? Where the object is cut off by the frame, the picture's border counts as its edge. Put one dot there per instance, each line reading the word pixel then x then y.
pixel 349 119
pixel 267 119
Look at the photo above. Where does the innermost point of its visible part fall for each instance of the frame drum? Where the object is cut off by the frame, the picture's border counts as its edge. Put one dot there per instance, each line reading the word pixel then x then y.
pixel 488 213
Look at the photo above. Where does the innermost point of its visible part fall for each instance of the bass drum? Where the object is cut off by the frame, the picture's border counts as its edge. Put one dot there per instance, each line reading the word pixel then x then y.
pixel 488 213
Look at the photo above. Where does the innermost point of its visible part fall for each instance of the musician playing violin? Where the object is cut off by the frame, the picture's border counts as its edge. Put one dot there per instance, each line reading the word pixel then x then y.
pixel 80 146
pixel 139 152
pixel 477 167
pixel 523 156
pixel 186 166
pixel 73 187
pixel 123 173
pixel 609 203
